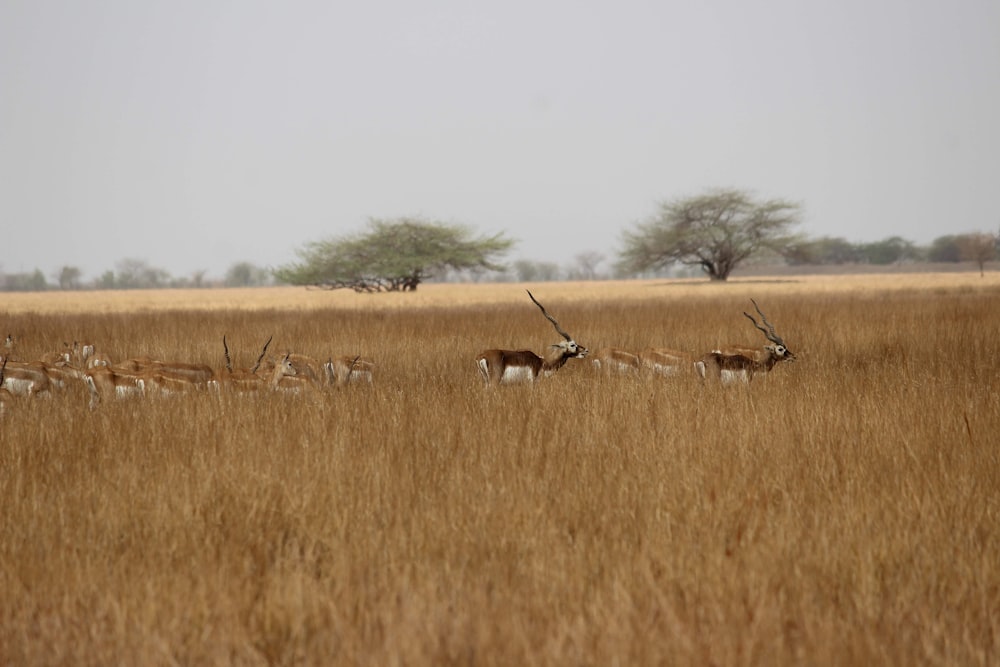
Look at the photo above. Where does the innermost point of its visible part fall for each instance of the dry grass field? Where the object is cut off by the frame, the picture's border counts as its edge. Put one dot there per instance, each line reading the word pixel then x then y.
pixel 844 509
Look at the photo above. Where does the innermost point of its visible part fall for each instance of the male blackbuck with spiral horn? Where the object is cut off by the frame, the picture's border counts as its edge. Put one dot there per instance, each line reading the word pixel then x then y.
pixel 506 366
pixel 250 380
pixel 741 365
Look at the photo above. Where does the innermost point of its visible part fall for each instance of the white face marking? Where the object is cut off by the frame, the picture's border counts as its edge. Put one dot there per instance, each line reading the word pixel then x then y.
pixel 571 348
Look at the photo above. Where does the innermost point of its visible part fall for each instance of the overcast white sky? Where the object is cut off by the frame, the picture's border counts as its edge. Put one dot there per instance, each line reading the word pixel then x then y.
pixel 196 134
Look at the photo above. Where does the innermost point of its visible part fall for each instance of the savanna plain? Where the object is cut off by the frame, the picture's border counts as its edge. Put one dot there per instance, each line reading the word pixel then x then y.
pixel 842 509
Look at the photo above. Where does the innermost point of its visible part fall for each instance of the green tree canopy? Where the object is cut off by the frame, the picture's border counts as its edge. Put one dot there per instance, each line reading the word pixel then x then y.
pixel 891 250
pixel 393 255
pixel 945 249
pixel 823 250
pixel 715 231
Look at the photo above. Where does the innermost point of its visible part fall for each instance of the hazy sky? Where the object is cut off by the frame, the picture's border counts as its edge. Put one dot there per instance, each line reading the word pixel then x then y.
pixel 194 135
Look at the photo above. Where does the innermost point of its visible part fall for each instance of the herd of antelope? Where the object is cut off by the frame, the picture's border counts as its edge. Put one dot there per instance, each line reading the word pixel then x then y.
pixel 139 377
pixel 728 365
pixel 144 376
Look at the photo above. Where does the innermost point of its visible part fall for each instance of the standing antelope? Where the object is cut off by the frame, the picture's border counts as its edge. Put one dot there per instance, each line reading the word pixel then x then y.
pixel 506 366
pixel 733 365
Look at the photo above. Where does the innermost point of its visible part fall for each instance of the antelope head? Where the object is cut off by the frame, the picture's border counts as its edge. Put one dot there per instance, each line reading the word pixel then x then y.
pixel 778 350
pixel 569 347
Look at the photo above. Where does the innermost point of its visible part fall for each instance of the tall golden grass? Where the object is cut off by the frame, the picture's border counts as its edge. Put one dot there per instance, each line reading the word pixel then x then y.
pixel 842 510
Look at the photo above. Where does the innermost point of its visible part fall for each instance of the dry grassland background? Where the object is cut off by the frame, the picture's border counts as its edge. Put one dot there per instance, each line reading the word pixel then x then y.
pixel 843 510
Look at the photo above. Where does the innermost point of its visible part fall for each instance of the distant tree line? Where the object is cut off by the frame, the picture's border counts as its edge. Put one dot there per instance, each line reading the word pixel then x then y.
pixel 976 247
pixel 130 274
pixel 712 234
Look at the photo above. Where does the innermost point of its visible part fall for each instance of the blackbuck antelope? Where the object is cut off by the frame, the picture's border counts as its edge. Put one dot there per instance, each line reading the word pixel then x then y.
pixel 335 371
pixel 5 395
pixel 98 359
pixel 250 379
pixel 229 359
pixel 104 383
pixel 740 365
pixel 507 366
pixel 309 372
pixel 193 374
pixel 64 356
pixel 26 378
pixel 346 369
pixel 612 359
pixel 82 352
pixel 155 376
pixel 76 354
pixel 664 361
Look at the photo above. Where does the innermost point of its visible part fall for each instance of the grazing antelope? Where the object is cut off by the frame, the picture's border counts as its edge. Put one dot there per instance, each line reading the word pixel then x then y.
pixel 345 369
pixel 734 365
pixel 506 366
pixel 613 359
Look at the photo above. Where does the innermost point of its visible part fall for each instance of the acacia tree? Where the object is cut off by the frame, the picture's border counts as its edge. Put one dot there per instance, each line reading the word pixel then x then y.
pixel 715 231
pixel 392 256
